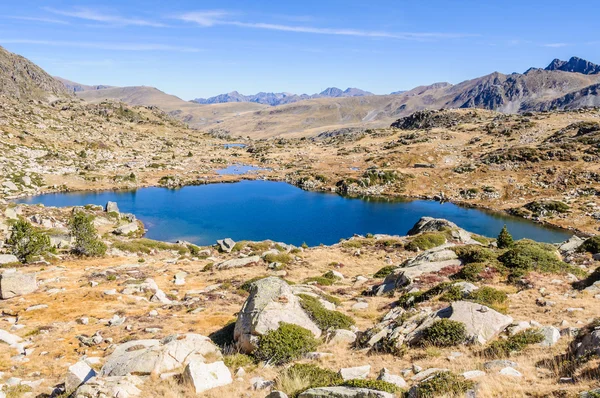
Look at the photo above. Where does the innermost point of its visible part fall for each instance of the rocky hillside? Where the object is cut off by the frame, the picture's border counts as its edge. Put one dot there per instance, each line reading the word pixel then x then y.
pixel 275 99
pixel 21 78
pixel 77 87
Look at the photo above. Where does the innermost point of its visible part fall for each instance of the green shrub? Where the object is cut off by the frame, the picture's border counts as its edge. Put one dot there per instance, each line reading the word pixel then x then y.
pixel 505 239
pixel 426 241
pixel 385 271
pixel 147 245
pixel 470 272
pixel 246 285
pixel 87 242
pixel 490 297
pixel 453 293
pixel 324 318
pixel 548 206
pixel 287 343
pixel 409 300
pixel 516 343
pixel 444 384
pixel 27 243
pixel 378 385
pixel 526 256
pixel 591 245
pixel 303 376
pixel 327 279
pixel 444 333
pixel 237 360
pixel 283 258
pixel 474 254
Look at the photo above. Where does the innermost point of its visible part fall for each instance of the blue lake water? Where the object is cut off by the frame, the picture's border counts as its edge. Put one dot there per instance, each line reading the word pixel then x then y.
pixel 227 146
pixel 238 169
pixel 258 210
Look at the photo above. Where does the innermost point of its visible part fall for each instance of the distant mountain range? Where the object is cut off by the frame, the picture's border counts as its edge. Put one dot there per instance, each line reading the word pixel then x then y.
pixel 562 85
pixel 275 99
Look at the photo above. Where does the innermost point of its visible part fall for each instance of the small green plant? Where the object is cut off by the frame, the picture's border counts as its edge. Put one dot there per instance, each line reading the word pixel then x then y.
pixel 378 385
pixel 505 239
pixel 287 343
pixel 324 318
pixel 515 343
pixel 283 258
pixel 591 245
pixel 27 243
pixel 87 242
pixel 444 333
pixel 444 384
pixel 238 360
pixel 426 241
pixel 490 297
pixel 526 256
pixel 474 254
pixel 327 279
pixel 470 272
pixel 385 271
pixel 303 376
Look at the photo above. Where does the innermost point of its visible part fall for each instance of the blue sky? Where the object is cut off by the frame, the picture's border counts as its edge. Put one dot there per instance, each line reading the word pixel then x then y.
pixel 203 48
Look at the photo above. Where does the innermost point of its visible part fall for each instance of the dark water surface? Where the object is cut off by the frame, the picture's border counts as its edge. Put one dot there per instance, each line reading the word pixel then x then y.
pixel 258 210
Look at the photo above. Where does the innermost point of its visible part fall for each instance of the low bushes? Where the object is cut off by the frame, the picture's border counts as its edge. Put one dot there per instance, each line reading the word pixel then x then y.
pixel 324 318
pixel 526 256
pixel 283 258
pixel 146 246
pixel 87 242
pixel 378 385
pixel 490 297
pixel 444 384
pixel 444 333
pixel 591 245
pixel 327 279
pixel 27 243
pixel 469 254
pixel 470 272
pixel 385 271
pixel 301 377
pixel 426 241
pixel 287 343
pixel 516 343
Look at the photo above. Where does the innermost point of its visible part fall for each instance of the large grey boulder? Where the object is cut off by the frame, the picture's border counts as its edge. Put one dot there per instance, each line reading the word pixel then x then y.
pixel 144 357
pixel 239 262
pixel 226 244
pixel 8 338
pixel 8 259
pixel 482 323
pixel 270 303
pixel 344 392
pixel 358 372
pixel 77 375
pixel 571 245
pixel 110 387
pixel 13 284
pixel 430 224
pixel 203 377
pixel 111 207
pixel 433 260
pixel 127 229
pixel 587 344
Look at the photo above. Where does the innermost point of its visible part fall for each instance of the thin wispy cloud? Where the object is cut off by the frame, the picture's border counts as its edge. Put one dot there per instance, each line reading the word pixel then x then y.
pixel 104 45
pixel 217 17
pixel 39 19
pixel 555 45
pixel 97 16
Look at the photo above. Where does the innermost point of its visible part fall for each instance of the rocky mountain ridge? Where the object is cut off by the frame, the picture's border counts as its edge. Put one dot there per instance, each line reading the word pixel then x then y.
pixel 275 99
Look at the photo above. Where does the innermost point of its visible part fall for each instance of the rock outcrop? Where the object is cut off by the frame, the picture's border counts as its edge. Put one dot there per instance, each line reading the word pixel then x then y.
pixel 13 284
pixel 270 303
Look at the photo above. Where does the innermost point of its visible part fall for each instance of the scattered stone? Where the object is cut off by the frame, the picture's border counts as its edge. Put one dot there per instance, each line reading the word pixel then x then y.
pixel 358 372
pixel 203 377
pixel 111 207
pixel 127 229
pixel 342 336
pixel 110 387
pixel 385 375
pixel 77 375
pixel 8 338
pixel 360 306
pixel 473 374
pixel 508 371
pixel 36 307
pixel 13 284
pixel 500 363
pixel 8 259
pixel 226 244
pixel 258 383
pixel 143 357
pixel 551 336
pixel 239 262
pixel 426 373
